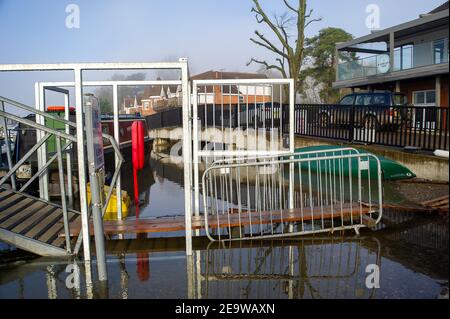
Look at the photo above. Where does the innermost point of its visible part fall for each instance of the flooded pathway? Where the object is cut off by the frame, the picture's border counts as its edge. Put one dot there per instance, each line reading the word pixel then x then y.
pixel 407 251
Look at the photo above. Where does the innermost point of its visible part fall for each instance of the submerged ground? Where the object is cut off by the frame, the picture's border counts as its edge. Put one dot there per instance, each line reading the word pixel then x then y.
pixel 410 251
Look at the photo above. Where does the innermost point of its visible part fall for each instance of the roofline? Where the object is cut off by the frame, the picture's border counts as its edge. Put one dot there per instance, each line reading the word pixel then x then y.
pixel 385 32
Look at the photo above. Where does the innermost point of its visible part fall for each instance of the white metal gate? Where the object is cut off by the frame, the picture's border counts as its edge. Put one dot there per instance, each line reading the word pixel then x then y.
pixel 240 118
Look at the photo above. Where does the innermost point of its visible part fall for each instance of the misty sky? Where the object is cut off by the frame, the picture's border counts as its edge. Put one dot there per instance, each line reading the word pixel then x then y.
pixel 213 34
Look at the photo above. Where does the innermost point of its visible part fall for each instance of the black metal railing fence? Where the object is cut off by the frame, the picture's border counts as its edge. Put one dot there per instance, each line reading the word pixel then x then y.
pixel 425 128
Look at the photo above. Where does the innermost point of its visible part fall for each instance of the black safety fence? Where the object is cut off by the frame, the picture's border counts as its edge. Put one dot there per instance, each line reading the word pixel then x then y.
pixel 425 128
pixel 168 118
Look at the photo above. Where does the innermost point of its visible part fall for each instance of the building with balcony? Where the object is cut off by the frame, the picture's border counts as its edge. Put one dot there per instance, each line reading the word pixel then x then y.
pixel 411 58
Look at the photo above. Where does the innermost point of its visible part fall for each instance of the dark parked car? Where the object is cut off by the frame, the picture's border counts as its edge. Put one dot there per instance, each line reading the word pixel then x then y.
pixel 380 110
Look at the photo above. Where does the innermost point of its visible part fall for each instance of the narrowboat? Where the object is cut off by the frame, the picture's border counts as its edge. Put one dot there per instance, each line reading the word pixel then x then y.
pixel 26 137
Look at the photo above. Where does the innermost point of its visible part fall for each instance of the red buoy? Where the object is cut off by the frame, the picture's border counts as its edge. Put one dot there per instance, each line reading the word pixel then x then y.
pixel 137 144
pixel 138 156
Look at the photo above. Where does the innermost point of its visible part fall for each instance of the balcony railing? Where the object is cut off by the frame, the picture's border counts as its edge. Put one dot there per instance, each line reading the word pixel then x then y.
pixel 405 57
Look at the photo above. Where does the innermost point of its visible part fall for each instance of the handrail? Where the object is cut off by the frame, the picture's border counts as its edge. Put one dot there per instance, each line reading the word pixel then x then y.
pixel 23 159
pixel 38 126
pixel 33 110
pixel 59 135
pixel 43 169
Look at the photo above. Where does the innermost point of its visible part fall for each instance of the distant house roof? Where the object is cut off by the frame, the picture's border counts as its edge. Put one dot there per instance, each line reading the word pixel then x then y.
pixel 155 90
pixel 442 7
pixel 130 101
pixel 217 75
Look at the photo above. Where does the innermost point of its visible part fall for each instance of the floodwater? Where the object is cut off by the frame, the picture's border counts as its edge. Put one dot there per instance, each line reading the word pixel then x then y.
pixel 407 257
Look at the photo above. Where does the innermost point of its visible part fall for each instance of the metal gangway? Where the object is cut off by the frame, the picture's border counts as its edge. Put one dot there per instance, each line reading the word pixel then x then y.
pixel 84 137
pixel 34 224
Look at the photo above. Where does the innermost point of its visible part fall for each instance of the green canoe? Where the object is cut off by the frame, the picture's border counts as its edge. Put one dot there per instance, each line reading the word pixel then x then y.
pixel 391 170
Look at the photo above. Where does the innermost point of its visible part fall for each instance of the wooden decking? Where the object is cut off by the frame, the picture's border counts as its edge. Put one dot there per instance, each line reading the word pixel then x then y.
pixel 174 224
pixel 439 204
pixel 31 224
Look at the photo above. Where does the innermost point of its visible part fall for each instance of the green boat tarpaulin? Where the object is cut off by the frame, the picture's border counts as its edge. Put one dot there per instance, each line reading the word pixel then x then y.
pixel 391 170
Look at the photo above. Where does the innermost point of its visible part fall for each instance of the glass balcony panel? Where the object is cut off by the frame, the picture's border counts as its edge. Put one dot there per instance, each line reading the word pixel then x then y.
pixel 405 57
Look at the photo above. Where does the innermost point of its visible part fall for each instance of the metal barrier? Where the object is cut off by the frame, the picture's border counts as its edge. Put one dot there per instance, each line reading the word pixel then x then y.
pixel 292 194
pixel 60 150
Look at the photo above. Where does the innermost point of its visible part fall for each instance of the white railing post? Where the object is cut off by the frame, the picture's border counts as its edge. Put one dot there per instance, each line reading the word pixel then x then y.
pixel 187 146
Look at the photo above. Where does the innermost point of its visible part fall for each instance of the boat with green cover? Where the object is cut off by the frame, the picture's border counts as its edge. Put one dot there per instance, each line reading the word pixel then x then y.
pixel 391 170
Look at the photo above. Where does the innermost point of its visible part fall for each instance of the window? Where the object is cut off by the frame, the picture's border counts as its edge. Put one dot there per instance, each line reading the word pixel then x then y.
pixel 427 98
pixel 400 100
pixel 403 57
pixel 438 49
pixel 363 100
pixel 407 57
pixel 380 100
pixel 348 100
pixel 105 129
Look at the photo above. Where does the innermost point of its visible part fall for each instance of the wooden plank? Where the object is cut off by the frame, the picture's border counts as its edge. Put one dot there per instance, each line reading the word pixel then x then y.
pixel 20 216
pixel 7 213
pixel 439 203
pixel 52 233
pixel 428 202
pixel 8 202
pixel 59 242
pixel 169 224
pixel 5 193
pixel 44 224
pixel 33 219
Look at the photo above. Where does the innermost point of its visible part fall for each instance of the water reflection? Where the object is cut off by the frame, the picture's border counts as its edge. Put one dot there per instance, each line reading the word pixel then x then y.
pixel 306 268
pixel 411 266
pixel 411 252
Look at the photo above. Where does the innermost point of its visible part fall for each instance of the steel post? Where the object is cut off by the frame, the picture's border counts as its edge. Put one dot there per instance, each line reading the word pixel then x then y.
pixel 96 196
pixel 8 146
pixel 81 164
pixel 63 194
pixel 117 159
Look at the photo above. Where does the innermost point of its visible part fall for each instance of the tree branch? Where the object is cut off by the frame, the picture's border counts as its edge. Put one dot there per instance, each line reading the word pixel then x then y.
pixel 267 44
pixel 264 18
pixel 290 7
pixel 311 21
pixel 267 65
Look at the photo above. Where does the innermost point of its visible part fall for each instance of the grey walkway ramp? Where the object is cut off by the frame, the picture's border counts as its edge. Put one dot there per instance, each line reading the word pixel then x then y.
pixel 32 224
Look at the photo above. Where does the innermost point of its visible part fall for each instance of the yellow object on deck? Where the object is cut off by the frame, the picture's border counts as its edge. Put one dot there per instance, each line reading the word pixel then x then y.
pixel 111 210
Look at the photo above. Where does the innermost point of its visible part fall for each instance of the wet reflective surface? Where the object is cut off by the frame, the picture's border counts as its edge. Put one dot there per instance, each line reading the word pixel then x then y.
pixel 410 252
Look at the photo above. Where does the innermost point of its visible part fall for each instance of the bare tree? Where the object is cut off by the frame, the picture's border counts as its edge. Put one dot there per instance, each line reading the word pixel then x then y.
pixel 290 56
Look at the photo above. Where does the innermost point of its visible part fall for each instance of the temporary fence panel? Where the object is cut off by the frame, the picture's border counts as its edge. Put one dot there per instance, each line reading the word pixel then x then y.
pixel 332 190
